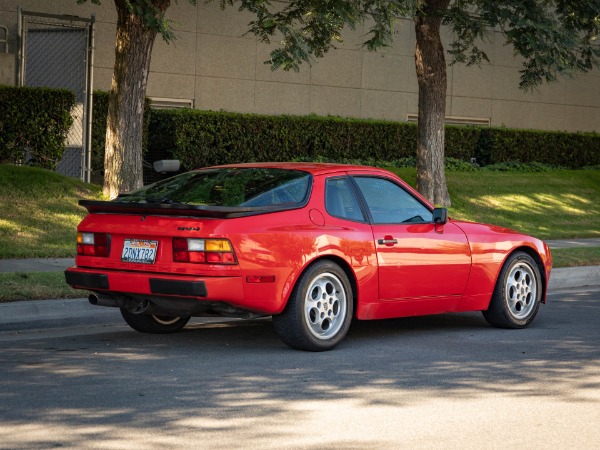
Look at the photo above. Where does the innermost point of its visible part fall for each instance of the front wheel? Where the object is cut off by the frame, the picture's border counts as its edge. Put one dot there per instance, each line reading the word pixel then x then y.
pixel 319 311
pixel 517 295
pixel 155 324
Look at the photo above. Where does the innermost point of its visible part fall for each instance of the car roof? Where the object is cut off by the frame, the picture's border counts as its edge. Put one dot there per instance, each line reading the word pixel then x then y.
pixel 311 167
pixel 326 168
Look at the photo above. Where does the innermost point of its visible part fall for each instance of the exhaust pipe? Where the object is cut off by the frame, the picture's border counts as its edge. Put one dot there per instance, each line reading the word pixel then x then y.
pixel 96 300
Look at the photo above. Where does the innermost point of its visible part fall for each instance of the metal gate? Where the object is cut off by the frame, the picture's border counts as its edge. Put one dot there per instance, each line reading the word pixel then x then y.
pixel 57 51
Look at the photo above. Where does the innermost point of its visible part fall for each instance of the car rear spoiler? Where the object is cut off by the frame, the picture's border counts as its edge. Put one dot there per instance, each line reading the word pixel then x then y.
pixel 179 209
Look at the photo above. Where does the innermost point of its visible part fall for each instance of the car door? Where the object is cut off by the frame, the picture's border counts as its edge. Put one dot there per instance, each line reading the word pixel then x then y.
pixel 417 259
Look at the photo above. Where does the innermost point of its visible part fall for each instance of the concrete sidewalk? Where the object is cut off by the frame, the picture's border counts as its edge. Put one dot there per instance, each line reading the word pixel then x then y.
pixel 573 243
pixel 35 265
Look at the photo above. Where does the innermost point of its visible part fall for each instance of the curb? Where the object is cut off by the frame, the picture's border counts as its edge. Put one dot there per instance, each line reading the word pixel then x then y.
pixel 569 277
pixel 34 314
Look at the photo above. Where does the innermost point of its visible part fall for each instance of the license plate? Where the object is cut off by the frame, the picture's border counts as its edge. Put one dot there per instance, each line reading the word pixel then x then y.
pixel 139 251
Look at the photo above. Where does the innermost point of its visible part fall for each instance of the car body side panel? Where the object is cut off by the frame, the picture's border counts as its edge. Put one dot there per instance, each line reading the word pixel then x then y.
pixel 426 261
pixel 490 246
pixel 424 273
pixel 293 242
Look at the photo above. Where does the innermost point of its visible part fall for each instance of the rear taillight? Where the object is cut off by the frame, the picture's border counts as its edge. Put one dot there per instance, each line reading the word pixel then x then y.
pixel 92 244
pixel 203 251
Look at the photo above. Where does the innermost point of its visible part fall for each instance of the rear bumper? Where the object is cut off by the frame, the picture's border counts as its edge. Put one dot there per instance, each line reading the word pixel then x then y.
pixel 214 289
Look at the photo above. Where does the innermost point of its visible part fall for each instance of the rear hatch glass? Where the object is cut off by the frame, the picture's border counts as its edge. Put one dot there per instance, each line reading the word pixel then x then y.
pixel 227 187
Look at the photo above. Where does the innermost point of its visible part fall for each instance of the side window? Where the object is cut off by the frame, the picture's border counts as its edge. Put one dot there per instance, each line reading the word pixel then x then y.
pixel 389 203
pixel 340 201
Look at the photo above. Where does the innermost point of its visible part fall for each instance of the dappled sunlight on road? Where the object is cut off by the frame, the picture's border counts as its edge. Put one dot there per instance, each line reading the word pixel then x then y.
pixel 417 381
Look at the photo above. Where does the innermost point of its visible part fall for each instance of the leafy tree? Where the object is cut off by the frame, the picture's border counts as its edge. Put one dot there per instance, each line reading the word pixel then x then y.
pixel 138 23
pixel 554 37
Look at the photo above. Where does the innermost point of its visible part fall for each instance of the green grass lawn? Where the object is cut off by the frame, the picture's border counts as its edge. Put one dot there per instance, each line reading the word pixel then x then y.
pixel 557 204
pixel 39 216
pixel 39 212
pixel 36 286
pixel 573 257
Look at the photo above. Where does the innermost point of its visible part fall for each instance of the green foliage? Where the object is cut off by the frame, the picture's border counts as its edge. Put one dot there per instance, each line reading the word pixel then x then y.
pixel 100 113
pixel 34 124
pixel 307 29
pixel 458 165
pixel 202 138
pixel 554 37
pixel 573 150
pixel 452 164
pixel 151 12
pixel 517 166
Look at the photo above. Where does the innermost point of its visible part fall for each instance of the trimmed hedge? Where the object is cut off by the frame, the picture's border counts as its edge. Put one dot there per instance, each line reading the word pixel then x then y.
pixel 572 150
pixel 35 121
pixel 34 124
pixel 99 116
pixel 203 138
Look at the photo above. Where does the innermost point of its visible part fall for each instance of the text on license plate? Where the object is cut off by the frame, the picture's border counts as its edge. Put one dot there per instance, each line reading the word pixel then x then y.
pixel 139 251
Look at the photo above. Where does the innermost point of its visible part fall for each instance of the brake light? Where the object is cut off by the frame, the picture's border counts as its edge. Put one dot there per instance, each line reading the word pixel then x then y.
pixel 203 251
pixel 92 244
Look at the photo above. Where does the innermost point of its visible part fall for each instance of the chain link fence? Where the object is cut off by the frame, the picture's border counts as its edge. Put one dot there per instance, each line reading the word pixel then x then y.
pixel 57 52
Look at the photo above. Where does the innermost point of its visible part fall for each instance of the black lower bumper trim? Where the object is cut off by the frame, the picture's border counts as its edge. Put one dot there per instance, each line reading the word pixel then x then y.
pixel 87 280
pixel 175 287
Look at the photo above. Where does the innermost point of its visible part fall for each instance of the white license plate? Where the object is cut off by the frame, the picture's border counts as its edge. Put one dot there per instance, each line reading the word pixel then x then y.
pixel 139 251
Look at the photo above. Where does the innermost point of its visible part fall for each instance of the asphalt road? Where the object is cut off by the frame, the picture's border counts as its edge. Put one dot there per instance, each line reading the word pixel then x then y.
pixel 434 382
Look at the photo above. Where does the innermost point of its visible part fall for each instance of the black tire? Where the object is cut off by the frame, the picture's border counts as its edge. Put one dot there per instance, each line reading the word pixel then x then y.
pixel 155 324
pixel 319 311
pixel 517 295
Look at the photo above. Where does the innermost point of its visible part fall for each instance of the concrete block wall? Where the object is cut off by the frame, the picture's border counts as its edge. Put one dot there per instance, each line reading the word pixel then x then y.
pixel 215 64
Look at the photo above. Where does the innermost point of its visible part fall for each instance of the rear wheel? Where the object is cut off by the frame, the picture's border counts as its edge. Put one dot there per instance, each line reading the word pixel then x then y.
pixel 319 311
pixel 155 324
pixel 518 293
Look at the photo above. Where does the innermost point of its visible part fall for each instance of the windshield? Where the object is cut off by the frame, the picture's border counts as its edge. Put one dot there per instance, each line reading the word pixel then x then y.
pixel 227 187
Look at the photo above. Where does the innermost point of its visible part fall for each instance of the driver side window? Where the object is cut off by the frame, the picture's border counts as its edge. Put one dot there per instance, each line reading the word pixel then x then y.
pixel 389 203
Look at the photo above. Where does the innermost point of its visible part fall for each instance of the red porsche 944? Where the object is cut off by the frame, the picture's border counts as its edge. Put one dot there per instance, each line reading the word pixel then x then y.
pixel 313 245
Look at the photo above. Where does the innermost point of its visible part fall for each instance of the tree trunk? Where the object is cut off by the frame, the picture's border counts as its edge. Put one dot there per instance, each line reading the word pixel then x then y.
pixel 123 170
pixel 431 76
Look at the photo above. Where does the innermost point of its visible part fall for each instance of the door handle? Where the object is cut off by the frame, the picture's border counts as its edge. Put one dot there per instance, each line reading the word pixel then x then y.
pixel 388 241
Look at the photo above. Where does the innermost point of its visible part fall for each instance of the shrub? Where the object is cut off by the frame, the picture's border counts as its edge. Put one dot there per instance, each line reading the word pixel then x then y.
pixel 572 150
pixel 203 138
pixel 34 124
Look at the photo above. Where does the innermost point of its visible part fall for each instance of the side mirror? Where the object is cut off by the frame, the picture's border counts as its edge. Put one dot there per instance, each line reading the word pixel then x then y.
pixel 440 216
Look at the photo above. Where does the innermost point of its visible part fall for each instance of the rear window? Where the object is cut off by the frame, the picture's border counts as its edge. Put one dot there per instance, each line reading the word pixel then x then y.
pixel 246 187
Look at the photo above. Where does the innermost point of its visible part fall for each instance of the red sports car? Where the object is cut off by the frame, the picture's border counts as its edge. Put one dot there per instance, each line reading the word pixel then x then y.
pixel 313 245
